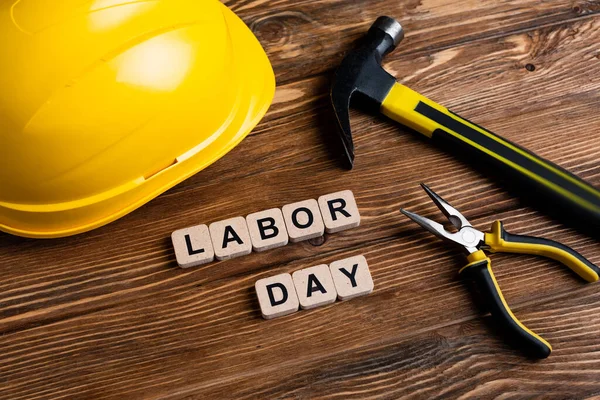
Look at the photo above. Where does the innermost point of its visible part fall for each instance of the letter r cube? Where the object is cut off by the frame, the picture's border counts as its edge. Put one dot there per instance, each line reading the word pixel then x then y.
pixel 339 211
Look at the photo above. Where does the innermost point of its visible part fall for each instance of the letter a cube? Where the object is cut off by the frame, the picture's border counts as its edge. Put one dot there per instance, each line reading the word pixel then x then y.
pixel 314 287
pixel 230 238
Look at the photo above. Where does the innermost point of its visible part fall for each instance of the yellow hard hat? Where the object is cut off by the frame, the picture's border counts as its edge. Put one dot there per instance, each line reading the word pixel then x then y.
pixel 105 104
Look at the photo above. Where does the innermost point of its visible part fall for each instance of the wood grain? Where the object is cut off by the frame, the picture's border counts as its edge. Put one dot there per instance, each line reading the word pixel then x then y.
pixel 108 314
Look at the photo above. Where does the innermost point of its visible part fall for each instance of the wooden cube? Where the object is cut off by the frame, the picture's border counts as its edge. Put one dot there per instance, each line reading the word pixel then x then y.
pixel 267 229
pixel 193 246
pixel 303 220
pixel 230 238
pixel 276 296
pixel 314 286
pixel 339 211
pixel 351 277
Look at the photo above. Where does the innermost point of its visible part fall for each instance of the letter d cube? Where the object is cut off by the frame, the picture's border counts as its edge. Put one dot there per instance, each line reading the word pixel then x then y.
pixel 277 296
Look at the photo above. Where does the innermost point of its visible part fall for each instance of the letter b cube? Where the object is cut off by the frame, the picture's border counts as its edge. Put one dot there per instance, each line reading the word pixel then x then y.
pixel 267 229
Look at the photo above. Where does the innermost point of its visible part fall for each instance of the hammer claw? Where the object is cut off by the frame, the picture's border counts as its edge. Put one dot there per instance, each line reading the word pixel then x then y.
pixel 361 77
pixel 340 100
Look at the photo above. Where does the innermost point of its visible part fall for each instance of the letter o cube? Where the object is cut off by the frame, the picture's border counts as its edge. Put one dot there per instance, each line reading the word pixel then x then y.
pixel 303 220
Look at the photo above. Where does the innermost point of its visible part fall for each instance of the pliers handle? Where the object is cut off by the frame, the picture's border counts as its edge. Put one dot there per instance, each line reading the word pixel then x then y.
pixel 479 270
pixel 500 241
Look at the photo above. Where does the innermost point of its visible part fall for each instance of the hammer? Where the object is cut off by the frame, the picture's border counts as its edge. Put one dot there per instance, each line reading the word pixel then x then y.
pixel 361 79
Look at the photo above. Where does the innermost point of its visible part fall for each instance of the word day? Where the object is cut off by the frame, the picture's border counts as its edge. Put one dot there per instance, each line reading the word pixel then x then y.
pixel 265 230
pixel 312 287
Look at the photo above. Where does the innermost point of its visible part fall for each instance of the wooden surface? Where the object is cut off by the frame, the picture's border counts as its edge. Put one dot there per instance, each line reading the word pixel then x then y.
pixel 108 314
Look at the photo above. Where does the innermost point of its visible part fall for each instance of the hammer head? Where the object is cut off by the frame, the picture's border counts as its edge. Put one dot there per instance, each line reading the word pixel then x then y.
pixel 361 78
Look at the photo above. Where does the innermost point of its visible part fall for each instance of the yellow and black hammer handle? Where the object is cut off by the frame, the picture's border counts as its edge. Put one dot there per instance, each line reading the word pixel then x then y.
pixel 437 122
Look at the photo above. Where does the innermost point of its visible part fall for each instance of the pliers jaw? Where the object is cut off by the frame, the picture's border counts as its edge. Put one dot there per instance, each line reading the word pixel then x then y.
pixel 467 237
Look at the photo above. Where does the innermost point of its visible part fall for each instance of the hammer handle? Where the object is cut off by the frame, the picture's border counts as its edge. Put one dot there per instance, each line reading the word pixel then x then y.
pixel 437 122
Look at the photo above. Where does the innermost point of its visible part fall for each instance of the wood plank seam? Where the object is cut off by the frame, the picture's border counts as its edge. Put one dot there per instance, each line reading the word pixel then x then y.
pixel 41 295
pixel 459 43
pixel 412 232
pixel 340 355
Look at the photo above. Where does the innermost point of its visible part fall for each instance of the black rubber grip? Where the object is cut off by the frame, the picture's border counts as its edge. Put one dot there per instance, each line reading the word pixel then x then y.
pixel 550 180
pixel 481 273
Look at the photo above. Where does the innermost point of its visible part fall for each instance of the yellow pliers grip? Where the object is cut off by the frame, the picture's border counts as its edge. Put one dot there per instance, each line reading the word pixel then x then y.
pixel 500 241
pixel 441 125
pixel 480 270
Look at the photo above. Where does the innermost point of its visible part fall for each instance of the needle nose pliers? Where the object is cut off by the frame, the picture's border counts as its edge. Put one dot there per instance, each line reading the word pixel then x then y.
pixel 479 268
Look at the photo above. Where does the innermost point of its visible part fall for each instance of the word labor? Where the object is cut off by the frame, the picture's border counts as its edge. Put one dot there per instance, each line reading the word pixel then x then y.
pixel 265 230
